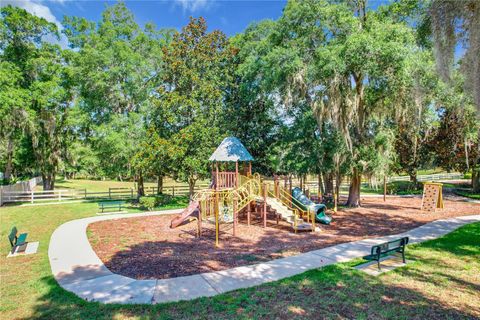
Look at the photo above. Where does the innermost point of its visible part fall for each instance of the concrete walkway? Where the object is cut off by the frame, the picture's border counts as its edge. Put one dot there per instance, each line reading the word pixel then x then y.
pixel 78 269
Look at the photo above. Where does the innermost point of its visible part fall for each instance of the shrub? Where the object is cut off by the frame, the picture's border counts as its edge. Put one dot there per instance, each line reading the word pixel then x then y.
pixel 147 203
pixel 404 188
pixel 150 202
pixel 161 199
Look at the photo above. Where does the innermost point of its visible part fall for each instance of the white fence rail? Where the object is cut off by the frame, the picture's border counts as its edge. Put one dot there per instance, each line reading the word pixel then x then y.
pixel 430 177
pixel 82 194
pixel 22 186
pixel 24 191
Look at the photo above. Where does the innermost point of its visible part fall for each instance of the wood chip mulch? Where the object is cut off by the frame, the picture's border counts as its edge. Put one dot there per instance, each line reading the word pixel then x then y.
pixel 146 247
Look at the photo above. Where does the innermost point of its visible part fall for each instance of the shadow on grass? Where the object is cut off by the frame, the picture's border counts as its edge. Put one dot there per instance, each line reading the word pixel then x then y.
pixel 464 243
pixel 335 291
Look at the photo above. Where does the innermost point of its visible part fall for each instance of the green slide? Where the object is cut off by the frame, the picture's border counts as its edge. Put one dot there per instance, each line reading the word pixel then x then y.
pixel 305 203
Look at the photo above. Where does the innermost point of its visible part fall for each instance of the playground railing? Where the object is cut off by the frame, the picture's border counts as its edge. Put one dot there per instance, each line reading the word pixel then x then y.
pixel 285 198
pixel 228 199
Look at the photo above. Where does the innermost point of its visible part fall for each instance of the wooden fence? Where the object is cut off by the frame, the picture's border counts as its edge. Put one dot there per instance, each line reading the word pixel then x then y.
pixel 22 186
pixel 23 192
pixel 429 177
pixel 83 194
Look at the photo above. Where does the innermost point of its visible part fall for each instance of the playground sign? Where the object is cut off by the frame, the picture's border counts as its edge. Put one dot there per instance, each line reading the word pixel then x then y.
pixel 432 196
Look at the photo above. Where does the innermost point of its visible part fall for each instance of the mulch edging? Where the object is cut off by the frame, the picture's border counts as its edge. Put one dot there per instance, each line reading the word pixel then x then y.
pixel 146 248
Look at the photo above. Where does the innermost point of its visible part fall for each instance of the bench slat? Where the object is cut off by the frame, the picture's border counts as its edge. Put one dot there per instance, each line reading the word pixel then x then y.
pixel 111 204
pixel 384 249
pixel 21 239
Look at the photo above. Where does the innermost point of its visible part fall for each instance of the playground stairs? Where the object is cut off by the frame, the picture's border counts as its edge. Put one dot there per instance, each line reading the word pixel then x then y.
pixel 287 215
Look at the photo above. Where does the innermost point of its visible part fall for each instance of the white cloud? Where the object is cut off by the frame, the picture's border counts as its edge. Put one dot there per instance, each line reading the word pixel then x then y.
pixel 194 5
pixel 42 11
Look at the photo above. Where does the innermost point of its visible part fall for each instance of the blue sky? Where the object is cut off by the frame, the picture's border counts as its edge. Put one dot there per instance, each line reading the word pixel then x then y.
pixel 230 16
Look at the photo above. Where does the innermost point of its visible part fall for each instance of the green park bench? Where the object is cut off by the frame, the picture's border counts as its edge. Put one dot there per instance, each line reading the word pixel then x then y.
pixel 17 240
pixel 111 205
pixel 382 250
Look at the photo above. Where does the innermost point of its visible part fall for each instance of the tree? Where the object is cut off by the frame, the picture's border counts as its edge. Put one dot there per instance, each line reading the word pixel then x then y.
pixel 42 88
pixel 156 156
pixel 417 120
pixel 343 61
pixel 52 96
pixel 455 144
pixel 14 113
pixel 453 22
pixel 250 113
pixel 117 68
pixel 191 98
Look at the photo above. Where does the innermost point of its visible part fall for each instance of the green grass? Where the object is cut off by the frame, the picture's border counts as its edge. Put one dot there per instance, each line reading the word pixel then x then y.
pixel 393 188
pixel 468 194
pixel 103 185
pixel 443 283
pixel 430 171
pixel 93 185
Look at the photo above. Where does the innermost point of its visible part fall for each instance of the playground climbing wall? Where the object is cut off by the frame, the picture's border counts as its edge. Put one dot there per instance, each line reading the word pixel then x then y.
pixel 432 197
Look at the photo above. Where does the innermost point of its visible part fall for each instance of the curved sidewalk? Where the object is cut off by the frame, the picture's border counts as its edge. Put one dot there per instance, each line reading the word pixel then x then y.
pixel 78 269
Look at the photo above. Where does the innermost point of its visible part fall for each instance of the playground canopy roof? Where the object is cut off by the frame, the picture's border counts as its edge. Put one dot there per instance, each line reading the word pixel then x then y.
pixel 231 149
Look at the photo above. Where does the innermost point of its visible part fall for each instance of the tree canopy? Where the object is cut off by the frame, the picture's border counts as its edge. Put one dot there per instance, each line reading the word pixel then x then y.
pixel 334 89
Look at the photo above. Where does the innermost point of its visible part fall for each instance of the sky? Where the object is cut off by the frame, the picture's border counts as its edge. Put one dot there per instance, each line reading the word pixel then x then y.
pixel 230 16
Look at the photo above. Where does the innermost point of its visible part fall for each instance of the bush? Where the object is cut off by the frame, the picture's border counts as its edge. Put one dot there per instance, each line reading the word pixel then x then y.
pixel 162 199
pixel 467 175
pixel 404 188
pixel 147 203
pixel 150 202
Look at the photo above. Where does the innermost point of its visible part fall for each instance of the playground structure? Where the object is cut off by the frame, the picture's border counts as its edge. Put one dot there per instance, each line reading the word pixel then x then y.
pixel 241 193
pixel 319 209
pixel 432 198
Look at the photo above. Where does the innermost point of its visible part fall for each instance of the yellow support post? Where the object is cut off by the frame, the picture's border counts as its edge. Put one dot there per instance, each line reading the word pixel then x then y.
pixel 313 221
pixel 334 202
pixel 264 205
pixel 217 229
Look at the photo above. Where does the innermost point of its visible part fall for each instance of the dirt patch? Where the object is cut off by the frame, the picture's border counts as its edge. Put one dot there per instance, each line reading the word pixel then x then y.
pixel 146 248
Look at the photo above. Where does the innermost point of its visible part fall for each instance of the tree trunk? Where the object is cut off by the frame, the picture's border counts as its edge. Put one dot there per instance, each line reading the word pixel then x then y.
pixel 476 179
pixel 476 169
pixel 321 190
pixel 413 176
pixel 159 184
pixel 140 187
pixel 354 190
pixel 191 187
pixel 8 167
pixel 338 182
pixel 48 181
pixel 329 183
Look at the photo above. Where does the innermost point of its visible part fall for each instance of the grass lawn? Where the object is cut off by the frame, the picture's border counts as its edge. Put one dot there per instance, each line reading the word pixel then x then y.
pixel 443 283
pixel 468 194
pixel 100 186
pixel 393 188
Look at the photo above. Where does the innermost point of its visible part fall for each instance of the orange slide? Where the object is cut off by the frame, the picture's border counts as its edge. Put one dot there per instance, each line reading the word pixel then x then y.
pixel 190 210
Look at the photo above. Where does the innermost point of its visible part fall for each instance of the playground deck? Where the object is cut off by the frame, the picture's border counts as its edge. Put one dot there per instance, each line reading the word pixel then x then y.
pixel 146 248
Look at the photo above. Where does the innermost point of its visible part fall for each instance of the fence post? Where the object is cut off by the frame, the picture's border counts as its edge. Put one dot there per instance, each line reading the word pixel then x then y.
pixel 85 194
pixel 59 195
pixel 131 192
pixel 173 191
pixel 109 193
pixel 31 191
